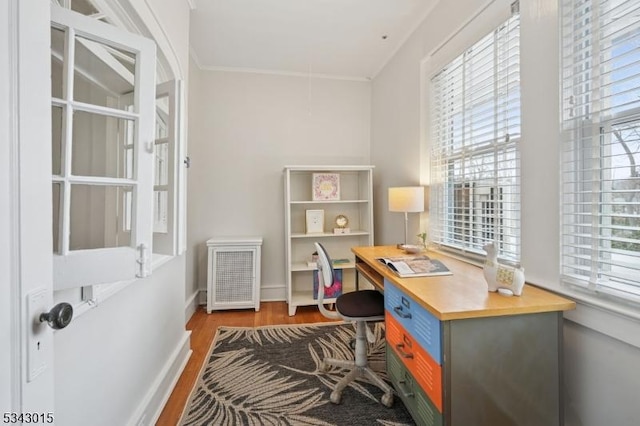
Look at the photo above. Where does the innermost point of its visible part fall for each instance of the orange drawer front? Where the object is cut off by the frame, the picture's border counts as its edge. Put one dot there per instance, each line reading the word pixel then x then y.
pixel 425 370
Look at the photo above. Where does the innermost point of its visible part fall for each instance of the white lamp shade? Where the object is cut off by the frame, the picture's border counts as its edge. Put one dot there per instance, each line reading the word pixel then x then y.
pixel 406 199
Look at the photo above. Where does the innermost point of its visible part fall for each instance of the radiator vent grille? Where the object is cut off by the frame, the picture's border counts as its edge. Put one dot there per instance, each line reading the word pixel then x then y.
pixel 234 276
pixel 233 273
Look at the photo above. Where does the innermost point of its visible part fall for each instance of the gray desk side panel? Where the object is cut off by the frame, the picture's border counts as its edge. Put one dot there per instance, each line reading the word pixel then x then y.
pixel 503 371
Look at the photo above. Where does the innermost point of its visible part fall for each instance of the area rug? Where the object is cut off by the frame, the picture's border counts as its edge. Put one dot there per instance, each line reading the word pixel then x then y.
pixel 271 376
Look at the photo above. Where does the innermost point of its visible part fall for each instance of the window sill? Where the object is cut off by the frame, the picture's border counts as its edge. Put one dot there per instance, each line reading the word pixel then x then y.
pixel 103 292
pixel 615 320
pixel 611 319
pixel 474 262
pixel 159 260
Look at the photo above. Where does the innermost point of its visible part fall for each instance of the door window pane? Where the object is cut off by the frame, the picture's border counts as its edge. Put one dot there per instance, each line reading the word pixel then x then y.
pixel 56 194
pixel 162 164
pixel 102 146
pixel 162 117
pixel 160 211
pixel 99 215
pixel 56 140
pixel 83 6
pixel 57 56
pixel 102 73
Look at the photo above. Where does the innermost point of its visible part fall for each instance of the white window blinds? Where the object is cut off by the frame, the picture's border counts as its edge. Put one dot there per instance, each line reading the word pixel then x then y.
pixel 475 123
pixel 601 146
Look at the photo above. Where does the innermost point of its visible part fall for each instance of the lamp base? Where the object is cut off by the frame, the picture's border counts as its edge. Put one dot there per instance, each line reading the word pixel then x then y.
pixel 412 249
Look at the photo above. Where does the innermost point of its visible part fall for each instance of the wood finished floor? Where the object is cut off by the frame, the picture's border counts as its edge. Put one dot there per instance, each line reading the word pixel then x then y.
pixel 203 328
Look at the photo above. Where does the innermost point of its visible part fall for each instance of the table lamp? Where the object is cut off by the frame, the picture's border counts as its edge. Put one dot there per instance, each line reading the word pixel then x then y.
pixel 406 199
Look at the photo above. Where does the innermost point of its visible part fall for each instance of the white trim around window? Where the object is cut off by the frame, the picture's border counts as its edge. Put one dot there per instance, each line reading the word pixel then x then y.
pixel 475 133
pixel 600 149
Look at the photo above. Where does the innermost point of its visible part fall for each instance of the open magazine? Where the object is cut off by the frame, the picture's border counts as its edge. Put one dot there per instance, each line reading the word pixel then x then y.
pixel 415 266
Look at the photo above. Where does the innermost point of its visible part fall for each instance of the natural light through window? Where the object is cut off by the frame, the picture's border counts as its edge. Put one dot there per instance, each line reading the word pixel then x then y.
pixel 601 147
pixel 475 163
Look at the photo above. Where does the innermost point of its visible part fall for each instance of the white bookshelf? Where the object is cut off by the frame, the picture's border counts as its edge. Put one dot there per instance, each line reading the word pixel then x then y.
pixel 356 202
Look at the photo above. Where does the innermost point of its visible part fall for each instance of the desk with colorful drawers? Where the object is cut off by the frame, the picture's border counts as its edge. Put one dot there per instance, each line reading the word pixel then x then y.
pixel 459 355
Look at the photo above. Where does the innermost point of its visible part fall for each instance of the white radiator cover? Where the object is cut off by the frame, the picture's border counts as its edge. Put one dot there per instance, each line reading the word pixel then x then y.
pixel 233 277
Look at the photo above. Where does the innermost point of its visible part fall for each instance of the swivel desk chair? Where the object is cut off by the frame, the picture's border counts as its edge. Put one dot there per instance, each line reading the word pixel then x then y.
pixel 359 306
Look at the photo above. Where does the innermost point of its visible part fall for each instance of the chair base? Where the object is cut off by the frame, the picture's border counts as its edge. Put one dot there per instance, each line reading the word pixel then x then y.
pixel 357 372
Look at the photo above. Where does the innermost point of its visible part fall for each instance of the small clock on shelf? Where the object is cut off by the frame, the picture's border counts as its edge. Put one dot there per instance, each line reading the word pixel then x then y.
pixel 341 222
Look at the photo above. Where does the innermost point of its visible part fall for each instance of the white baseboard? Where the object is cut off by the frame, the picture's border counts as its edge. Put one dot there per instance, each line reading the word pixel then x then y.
pixel 191 305
pixel 202 296
pixel 153 403
pixel 273 293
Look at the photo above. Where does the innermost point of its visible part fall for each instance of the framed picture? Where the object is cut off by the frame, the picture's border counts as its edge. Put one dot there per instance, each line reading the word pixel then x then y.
pixel 315 221
pixel 325 187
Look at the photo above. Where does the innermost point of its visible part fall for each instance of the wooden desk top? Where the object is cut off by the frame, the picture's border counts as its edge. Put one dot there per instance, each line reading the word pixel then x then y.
pixel 461 295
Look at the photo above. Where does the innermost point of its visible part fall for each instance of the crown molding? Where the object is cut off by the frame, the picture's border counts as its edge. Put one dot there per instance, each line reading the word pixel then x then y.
pixel 280 72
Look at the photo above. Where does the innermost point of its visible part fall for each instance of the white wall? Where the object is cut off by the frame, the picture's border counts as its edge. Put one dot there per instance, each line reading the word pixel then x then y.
pixel 244 128
pixel 171 19
pixel 115 363
pixel 395 141
pixel 194 253
pixel 602 351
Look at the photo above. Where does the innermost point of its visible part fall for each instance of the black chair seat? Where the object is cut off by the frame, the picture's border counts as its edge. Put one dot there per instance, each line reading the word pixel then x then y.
pixel 361 304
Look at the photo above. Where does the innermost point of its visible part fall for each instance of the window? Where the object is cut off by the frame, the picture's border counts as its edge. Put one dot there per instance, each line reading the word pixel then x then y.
pixel 601 147
pixel 167 169
pixel 475 122
pixel 113 244
pixel 102 151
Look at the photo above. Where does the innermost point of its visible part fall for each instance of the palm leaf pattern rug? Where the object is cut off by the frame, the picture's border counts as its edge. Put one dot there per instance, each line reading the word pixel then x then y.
pixel 271 376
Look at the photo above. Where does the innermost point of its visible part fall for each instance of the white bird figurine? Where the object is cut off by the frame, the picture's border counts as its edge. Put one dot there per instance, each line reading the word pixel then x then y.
pixel 507 280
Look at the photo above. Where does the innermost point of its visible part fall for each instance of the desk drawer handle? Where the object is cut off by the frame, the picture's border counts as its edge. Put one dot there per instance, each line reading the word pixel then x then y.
pixel 402 353
pixel 406 340
pixel 398 310
pixel 404 391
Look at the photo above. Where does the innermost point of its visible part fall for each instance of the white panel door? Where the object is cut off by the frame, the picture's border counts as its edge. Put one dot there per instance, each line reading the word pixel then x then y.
pixel 102 151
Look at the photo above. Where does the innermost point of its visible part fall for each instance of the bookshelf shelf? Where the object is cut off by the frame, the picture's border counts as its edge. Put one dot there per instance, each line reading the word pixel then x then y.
pixel 356 203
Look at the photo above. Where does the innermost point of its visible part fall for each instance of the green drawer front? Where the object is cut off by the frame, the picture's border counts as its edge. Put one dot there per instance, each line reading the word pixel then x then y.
pixel 419 405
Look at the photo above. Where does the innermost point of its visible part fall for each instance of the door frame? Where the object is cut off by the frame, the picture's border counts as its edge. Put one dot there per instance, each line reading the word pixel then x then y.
pixel 9 323
pixel 29 198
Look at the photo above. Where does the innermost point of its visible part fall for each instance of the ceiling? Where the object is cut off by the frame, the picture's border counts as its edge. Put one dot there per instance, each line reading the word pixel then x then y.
pixel 350 39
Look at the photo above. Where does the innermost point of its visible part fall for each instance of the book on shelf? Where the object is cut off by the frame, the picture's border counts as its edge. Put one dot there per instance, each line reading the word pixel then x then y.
pixel 415 266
